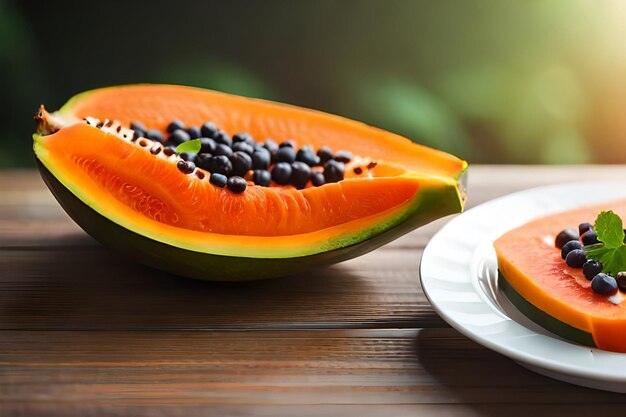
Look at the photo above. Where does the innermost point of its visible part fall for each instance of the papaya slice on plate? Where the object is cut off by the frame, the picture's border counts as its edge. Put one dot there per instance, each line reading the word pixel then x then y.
pixel 143 205
pixel 557 297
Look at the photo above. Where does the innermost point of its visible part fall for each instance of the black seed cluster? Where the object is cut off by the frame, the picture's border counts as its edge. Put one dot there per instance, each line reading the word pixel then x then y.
pixel 569 241
pixel 231 159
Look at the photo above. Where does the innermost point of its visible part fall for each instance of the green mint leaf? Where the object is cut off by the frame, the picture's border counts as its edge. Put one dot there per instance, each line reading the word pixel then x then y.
pixel 613 260
pixel 191 146
pixel 610 230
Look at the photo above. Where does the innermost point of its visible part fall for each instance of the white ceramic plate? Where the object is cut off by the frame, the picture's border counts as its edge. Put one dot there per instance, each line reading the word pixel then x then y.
pixel 459 276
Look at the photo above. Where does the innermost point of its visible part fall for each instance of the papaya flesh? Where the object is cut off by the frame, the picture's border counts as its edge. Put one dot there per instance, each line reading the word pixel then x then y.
pixel 142 205
pixel 558 297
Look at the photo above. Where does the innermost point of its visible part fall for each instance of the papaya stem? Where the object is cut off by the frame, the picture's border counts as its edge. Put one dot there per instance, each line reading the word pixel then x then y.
pixel 47 124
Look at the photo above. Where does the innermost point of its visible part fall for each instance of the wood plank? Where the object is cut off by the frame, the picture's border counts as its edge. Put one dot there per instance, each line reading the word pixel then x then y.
pixel 156 409
pixel 90 288
pixel 24 197
pixel 514 177
pixel 30 216
pixel 56 277
pixel 79 373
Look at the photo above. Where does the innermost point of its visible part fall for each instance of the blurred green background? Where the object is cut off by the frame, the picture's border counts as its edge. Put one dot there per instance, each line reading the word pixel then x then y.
pixel 493 81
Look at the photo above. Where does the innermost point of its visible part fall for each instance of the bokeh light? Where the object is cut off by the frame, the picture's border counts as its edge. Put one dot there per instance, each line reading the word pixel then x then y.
pixel 493 81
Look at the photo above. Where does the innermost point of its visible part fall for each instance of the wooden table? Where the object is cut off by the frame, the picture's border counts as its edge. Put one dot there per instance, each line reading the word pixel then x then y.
pixel 84 332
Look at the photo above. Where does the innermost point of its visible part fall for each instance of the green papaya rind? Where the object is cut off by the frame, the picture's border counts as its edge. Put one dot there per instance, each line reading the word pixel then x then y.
pixel 542 318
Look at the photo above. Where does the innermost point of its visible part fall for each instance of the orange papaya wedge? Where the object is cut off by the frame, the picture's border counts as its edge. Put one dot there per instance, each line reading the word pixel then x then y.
pixel 556 296
pixel 141 204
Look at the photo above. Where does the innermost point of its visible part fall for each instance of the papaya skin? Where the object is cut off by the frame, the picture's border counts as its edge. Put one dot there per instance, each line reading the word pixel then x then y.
pixel 542 318
pixel 434 182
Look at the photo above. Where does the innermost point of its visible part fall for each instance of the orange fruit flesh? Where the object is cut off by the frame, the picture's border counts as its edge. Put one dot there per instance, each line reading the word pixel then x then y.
pixel 154 187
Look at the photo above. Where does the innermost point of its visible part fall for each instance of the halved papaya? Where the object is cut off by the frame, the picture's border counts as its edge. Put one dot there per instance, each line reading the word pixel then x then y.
pixel 144 206
pixel 557 297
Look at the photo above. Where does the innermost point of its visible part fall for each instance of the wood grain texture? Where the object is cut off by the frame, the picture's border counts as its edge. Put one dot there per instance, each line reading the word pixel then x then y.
pixel 86 332
pixel 80 372
pixel 89 288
